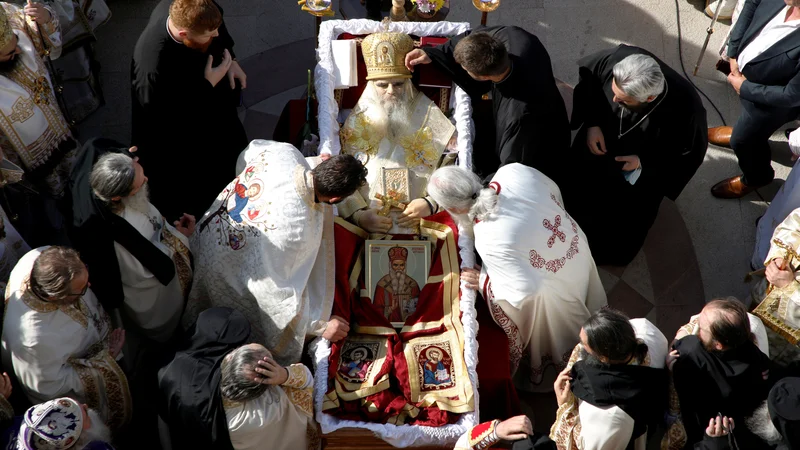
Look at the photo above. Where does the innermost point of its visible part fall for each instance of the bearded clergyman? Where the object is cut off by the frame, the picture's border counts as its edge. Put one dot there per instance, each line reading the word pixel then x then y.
pixel 403 136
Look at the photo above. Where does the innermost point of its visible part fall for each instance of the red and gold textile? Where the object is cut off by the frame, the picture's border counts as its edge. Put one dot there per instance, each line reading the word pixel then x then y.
pixel 417 375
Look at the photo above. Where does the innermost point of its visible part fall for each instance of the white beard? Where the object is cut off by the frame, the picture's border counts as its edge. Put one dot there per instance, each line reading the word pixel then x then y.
pixel 760 424
pixel 391 116
pixel 98 432
pixel 463 221
pixel 139 201
pixel 397 277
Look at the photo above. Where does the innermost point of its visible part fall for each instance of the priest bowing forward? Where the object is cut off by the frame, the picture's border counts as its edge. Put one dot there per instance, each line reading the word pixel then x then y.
pixel 401 134
pixel 266 248
pixel 530 119
pixel 538 274
pixel 642 137
pixel 58 338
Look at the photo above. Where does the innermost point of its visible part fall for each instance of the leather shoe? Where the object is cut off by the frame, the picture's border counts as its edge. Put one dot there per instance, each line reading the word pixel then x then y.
pixel 720 136
pixel 732 187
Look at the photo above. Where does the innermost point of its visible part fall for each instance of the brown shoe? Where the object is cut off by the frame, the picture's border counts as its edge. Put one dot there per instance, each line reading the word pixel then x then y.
pixel 720 136
pixel 732 187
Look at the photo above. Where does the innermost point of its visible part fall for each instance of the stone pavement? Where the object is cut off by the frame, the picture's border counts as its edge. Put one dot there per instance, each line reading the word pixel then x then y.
pixel 700 246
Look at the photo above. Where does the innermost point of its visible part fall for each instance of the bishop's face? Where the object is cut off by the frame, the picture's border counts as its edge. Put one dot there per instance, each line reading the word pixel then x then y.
pixel 391 91
pixel 399 266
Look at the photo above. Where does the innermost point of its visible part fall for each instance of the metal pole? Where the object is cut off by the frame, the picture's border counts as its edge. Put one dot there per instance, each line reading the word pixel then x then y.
pixel 484 16
pixel 709 32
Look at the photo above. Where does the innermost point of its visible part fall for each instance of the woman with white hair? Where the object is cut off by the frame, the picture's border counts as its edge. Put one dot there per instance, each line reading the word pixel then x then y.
pixel 538 275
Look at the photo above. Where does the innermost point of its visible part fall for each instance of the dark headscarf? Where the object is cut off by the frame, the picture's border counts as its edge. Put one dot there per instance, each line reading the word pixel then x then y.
pixel 784 409
pixel 95 229
pixel 190 401
pixel 641 391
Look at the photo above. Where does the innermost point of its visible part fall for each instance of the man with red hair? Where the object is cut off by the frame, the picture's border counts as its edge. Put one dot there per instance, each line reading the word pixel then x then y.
pixel 185 83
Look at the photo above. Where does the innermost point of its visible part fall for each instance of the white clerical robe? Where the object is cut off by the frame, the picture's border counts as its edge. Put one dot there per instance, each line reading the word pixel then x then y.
pixel 609 427
pixel 31 123
pixel 265 247
pixel 418 148
pixel 538 273
pixel 279 419
pixel 61 351
pixel 155 308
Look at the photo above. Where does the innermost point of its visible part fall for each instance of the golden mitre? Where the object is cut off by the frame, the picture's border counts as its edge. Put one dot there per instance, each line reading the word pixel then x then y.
pixel 385 55
pixel 6 32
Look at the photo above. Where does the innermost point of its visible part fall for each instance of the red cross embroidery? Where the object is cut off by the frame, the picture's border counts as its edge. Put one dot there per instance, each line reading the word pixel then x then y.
pixel 556 232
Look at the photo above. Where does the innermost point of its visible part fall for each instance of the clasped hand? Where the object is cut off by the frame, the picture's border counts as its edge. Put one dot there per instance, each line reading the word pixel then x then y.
pixel 778 276
pixel 37 12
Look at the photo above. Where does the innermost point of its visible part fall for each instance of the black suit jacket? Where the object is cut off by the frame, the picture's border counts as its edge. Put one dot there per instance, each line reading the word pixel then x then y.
pixel 773 77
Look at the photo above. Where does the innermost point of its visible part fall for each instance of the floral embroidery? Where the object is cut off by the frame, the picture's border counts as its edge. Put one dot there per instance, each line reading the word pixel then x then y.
pixel 556 264
pixel 357 135
pixel 573 248
pixel 420 150
pixel 515 344
pixel 536 260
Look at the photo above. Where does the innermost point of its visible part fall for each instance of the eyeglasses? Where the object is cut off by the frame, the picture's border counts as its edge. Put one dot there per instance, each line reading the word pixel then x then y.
pixel 85 288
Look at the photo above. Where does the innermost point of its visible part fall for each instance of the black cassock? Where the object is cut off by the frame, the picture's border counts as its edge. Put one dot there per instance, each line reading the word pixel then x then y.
pixel 670 142
pixel 530 119
pixel 188 131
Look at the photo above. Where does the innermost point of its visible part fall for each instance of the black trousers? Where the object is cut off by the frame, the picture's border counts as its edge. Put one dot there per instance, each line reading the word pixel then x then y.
pixel 750 139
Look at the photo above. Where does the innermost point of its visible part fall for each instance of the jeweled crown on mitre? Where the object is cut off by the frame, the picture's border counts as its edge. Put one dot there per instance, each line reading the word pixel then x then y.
pixel 385 55
pixel 53 425
pixel 398 253
pixel 6 31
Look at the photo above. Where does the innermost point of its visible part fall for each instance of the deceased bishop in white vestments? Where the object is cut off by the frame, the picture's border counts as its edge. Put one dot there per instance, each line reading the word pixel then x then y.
pixel 538 274
pixel 58 349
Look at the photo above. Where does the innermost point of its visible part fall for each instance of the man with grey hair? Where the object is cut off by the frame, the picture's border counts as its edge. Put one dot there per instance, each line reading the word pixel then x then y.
pixel 266 402
pixel 153 304
pixel 538 274
pixel 642 135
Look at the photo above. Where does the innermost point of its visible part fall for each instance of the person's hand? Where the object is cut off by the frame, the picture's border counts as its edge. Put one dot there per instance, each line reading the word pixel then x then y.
pixel 765 375
pixel 37 12
pixel 186 224
pixel 671 358
pixel 562 386
pixel 514 429
pixel 336 330
pixel 5 386
pixel 631 162
pixel 719 426
pixel 416 57
pixel 415 210
pixel 777 276
pixel 235 72
pixel 471 277
pixel 374 223
pixel 734 67
pixel 595 141
pixel 736 81
pixel 116 339
pixel 270 372
pixel 215 74
pixel 325 156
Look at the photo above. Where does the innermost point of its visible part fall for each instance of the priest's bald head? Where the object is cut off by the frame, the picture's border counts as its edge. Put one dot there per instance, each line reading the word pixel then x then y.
pixel 723 324
pixel 638 80
pixel 238 381
pixel 59 276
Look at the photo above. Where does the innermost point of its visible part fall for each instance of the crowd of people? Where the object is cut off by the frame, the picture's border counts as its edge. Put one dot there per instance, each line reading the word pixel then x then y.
pixel 145 310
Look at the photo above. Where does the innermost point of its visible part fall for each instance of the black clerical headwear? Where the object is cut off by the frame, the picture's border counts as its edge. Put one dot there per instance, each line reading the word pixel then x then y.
pixel 784 409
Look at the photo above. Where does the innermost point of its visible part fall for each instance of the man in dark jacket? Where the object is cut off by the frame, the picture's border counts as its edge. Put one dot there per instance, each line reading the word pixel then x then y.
pixel 764 51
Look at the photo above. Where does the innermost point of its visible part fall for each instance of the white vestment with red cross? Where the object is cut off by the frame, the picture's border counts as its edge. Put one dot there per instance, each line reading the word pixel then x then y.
pixel 538 273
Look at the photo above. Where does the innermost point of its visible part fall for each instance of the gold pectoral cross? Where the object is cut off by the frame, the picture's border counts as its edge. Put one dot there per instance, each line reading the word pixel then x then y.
pixel 391 200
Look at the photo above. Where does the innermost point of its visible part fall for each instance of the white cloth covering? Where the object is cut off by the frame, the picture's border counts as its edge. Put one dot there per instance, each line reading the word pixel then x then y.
pixel 775 30
pixel 155 308
pixel 279 417
pixel 39 345
pixel 345 65
pixel 610 428
pixel 274 259
pixel 538 269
